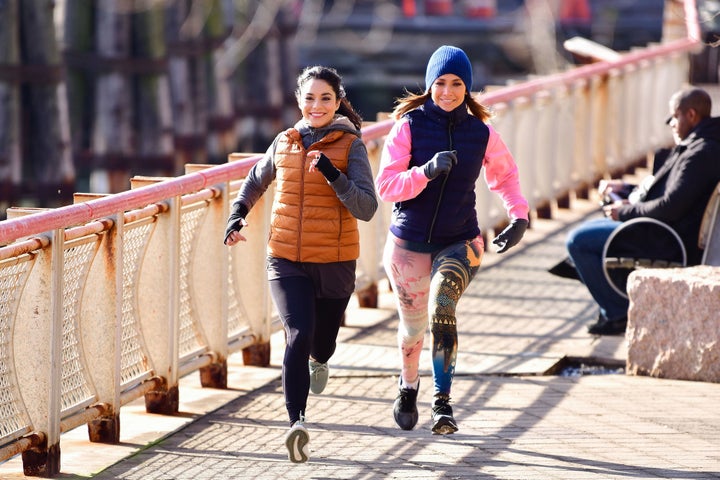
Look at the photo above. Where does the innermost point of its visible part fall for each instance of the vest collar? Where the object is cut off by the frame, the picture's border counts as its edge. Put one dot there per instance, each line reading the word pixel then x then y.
pixel 438 114
pixel 340 122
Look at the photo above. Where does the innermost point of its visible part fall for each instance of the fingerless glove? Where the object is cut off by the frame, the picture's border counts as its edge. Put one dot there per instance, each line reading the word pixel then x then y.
pixel 234 223
pixel 327 168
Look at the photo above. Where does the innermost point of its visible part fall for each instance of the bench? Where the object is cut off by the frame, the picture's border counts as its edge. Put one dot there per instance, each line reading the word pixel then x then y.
pixel 649 243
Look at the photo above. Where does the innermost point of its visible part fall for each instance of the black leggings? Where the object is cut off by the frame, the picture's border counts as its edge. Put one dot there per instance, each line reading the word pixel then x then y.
pixel 311 328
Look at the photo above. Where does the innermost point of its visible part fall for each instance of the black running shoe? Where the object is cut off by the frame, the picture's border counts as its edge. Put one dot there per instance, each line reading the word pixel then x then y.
pixel 608 327
pixel 405 408
pixel 442 416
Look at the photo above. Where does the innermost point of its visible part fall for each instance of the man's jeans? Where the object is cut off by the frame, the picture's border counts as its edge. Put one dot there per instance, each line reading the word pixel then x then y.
pixel 585 246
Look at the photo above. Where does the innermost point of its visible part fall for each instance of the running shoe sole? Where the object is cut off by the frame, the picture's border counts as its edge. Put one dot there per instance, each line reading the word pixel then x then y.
pixel 297 441
pixel 444 425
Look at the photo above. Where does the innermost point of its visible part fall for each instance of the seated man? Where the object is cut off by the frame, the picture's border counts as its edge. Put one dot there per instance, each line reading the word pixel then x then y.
pixel 676 194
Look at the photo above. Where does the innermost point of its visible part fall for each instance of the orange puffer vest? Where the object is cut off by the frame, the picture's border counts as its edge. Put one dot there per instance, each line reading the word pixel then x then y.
pixel 309 223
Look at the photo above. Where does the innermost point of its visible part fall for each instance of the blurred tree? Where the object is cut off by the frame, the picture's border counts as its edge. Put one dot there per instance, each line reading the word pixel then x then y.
pixel 10 166
pixel 221 116
pixel 158 102
pixel 153 116
pixel 111 144
pixel 187 82
pixel 44 100
pixel 151 85
pixel 34 106
pixel 78 44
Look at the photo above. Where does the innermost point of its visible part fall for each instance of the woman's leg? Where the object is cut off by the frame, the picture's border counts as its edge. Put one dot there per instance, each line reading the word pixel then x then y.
pixel 409 275
pixel 294 298
pixel 328 317
pixel 452 270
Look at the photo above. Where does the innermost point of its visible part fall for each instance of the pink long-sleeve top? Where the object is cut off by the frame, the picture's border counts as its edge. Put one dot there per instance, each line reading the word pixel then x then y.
pixel 396 182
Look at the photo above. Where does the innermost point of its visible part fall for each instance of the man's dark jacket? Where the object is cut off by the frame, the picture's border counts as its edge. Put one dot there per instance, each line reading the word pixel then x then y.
pixel 682 186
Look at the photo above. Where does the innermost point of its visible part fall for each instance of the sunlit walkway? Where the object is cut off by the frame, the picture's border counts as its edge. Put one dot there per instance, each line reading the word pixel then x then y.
pixel 516 323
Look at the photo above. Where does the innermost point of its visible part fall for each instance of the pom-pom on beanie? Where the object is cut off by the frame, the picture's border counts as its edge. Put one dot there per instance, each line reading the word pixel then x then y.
pixel 448 59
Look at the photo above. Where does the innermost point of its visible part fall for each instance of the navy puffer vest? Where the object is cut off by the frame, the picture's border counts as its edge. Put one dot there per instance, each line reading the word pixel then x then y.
pixel 444 212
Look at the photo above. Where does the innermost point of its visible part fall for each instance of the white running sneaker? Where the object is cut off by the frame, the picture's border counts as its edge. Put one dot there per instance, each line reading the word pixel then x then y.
pixel 297 442
pixel 319 374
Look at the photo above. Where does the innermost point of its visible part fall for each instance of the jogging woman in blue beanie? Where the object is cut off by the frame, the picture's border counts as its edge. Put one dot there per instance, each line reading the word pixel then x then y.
pixel 430 163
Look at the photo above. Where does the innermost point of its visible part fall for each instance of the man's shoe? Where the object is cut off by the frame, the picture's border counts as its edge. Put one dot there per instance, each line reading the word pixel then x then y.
pixel 297 441
pixel 608 327
pixel 565 269
pixel 442 416
pixel 405 408
pixel 318 376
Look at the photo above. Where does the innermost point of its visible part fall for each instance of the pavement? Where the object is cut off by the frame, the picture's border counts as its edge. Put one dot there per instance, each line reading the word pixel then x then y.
pixel 521 413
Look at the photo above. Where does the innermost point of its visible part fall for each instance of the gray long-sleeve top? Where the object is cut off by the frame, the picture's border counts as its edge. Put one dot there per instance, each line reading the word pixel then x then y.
pixel 355 189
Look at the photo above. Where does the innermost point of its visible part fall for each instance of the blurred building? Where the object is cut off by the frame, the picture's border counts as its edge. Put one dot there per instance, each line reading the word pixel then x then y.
pixel 381 48
pixel 144 91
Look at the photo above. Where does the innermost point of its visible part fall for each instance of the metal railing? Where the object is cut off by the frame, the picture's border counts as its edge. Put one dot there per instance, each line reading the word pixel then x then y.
pixel 118 296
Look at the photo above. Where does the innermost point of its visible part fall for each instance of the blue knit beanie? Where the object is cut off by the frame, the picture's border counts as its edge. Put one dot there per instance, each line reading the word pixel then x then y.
pixel 447 59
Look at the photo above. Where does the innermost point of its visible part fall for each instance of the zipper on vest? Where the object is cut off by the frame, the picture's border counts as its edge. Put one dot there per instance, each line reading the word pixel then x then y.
pixel 442 187
pixel 303 156
pixel 340 232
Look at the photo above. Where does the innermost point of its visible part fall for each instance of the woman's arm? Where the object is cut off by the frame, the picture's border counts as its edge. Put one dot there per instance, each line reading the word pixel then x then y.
pixel 258 180
pixel 501 175
pixel 255 184
pixel 395 182
pixel 355 190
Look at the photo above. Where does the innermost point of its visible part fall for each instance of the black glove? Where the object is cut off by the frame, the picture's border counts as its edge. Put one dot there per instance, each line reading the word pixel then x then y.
pixel 235 220
pixel 440 163
pixel 327 168
pixel 511 235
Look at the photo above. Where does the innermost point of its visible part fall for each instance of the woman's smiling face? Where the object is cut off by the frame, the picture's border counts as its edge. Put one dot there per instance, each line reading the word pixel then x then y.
pixel 318 102
pixel 448 92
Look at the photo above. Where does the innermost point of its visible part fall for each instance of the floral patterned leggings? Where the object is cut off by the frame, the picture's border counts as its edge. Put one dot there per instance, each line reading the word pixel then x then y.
pixel 429 285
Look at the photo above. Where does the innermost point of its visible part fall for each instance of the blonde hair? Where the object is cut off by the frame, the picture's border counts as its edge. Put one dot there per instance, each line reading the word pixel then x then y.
pixel 410 101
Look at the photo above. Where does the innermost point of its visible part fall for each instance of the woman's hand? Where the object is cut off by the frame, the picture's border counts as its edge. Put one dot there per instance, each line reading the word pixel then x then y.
pixel 233 235
pixel 314 156
pixel 320 162
pixel 440 163
pixel 512 234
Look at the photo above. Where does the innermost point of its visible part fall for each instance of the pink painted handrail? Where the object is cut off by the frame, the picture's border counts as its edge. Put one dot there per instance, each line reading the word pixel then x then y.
pixel 120 202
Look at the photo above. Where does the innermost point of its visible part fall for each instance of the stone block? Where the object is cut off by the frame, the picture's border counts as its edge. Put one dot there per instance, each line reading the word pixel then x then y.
pixel 674 323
